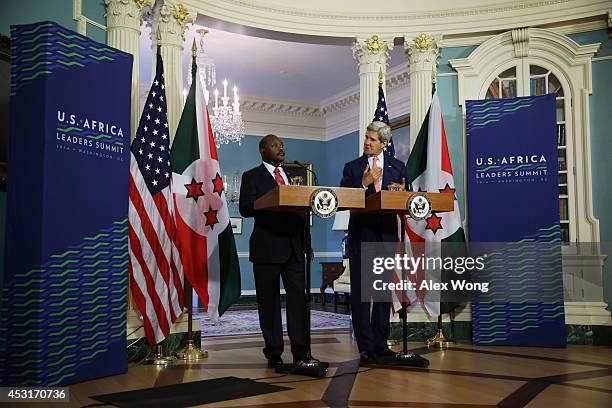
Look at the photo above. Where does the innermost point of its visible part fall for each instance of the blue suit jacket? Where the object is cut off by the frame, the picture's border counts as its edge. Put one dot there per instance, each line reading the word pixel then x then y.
pixel 372 227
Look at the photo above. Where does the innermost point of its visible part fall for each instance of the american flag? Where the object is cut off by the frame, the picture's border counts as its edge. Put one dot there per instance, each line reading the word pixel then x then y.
pixel 382 115
pixel 155 266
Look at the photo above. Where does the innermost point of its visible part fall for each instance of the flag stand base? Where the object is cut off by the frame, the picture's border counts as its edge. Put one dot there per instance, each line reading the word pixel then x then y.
pixel 191 353
pixel 404 358
pixel 439 340
pixel 160 359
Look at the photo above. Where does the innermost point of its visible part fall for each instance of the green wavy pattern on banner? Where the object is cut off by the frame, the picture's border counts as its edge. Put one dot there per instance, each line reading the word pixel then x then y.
pixel 78 303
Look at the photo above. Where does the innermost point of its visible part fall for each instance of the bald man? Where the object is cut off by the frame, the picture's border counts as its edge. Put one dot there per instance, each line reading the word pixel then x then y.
pixel 276 250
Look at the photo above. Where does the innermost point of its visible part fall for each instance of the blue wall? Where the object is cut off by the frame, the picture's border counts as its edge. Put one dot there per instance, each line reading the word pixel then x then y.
pixel 600 103
pixel 30 11
pixel 453 117
pixel 327 159
pixel 600 124
pixel 60 11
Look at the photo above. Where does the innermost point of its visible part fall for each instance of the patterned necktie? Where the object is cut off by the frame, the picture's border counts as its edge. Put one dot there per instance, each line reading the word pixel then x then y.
pixel 277 176
pixel 378 182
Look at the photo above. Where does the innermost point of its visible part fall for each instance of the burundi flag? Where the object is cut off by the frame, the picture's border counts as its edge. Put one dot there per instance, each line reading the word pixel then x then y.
pixel 429 169
pixel 204 235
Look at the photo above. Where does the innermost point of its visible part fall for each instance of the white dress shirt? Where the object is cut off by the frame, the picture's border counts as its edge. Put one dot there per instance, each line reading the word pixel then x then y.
pixel 271 169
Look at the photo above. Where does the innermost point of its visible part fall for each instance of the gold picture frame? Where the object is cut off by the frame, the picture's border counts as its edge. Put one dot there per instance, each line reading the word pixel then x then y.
pixel 300 172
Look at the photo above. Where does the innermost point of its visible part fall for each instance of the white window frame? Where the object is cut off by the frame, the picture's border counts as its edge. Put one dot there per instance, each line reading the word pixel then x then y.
pixel 571 64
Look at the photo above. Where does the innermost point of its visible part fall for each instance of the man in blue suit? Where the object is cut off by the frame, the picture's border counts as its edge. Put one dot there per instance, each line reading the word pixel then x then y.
pixel 372 172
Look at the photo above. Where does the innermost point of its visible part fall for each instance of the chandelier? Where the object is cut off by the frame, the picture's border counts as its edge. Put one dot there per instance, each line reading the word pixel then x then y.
pixel 226 119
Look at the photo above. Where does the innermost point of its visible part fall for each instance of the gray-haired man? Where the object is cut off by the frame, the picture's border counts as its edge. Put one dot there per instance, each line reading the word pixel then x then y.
pixel 373 172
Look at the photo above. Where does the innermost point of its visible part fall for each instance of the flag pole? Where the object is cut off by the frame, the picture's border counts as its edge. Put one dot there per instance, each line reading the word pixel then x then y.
pixel 191 353
pixel 439 340
pixel 160 359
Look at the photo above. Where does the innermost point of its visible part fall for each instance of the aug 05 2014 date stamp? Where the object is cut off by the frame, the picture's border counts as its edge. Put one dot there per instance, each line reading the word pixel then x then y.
pixel 34 394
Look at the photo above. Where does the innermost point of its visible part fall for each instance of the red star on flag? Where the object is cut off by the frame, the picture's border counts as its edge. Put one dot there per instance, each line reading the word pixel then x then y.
pixel 194 189
pixel 218 184
pixel 434 223
pixel 211 217
pixel 448 189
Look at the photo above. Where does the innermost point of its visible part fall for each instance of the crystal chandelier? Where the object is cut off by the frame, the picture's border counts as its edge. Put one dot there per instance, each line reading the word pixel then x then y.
pixel 226 119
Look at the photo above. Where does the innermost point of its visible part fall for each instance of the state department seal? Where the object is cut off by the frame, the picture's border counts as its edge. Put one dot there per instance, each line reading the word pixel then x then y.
pixel 324 202
pixel 419 206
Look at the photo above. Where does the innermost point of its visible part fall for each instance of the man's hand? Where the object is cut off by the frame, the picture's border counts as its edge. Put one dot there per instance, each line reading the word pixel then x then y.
pixel 370 176
pixel 397 186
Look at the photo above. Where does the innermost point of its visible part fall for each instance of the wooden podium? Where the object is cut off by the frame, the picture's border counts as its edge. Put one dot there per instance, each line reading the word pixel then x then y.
pixel 386 201
pixel 293 198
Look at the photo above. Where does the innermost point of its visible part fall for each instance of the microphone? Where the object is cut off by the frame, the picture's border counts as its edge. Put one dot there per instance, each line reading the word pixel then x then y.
pixel 316 181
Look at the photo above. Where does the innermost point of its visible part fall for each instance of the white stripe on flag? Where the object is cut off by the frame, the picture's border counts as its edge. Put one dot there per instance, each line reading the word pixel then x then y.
pixel 140 281
pixel 162 235
pixel 160 287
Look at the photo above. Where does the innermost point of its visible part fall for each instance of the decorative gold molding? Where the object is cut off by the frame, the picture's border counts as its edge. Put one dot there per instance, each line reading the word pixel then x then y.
pixel 180 13
pixel 400 123
pixel 141 3
pixel 424 41
pixel 375 44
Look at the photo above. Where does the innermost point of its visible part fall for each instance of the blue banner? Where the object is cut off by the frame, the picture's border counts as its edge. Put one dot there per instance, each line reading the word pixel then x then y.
pixel 512 191
pixel 63 310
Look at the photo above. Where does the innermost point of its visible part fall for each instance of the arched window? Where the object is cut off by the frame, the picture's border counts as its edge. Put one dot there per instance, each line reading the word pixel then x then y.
pixel 533 61
pixel 541 81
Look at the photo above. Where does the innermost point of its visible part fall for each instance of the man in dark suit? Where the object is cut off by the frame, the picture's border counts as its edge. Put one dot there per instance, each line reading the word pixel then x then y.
pixel 372 172
pixel 276 249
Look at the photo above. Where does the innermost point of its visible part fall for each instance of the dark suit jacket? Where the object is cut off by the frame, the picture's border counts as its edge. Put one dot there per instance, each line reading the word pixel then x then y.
pixel 277 234
pixel 371 227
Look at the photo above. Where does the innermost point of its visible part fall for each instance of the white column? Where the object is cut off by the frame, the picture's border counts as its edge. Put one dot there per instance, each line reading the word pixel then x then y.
pixel 371 55
pixel 123 19
pixel 171 21
pixel 422 53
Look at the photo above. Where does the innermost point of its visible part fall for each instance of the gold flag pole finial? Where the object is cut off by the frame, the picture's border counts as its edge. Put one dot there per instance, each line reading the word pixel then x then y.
pixel 380 76
pixel 158 35
pixel 194 48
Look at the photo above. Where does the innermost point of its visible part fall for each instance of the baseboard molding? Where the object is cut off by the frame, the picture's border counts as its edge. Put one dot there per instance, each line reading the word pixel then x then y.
pixel 592 335
pixel 576 313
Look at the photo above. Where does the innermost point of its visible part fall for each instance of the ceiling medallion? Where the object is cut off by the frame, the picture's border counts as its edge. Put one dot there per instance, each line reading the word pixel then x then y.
pixel 423 41
pixel 180 13
pixel 375 44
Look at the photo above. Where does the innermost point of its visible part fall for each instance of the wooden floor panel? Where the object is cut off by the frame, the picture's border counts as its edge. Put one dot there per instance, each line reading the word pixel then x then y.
pixel 465 376
pixel 557 396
